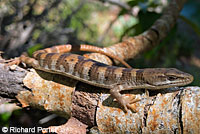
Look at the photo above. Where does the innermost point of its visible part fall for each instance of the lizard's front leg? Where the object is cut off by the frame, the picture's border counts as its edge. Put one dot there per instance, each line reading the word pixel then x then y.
pixel 125 102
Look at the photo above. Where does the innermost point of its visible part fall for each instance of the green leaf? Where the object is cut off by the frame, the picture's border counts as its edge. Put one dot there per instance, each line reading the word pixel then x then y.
pixel 34 48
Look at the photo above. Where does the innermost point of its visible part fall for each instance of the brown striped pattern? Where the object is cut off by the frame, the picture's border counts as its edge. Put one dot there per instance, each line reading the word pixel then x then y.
pixel 60 62
pixel 94 73
pixel 48 60
pixel 109 74
pixel 99 74
pixel 126 74
pixel 140 77
pixel 83 47
pixel 118 74
pixel 83 67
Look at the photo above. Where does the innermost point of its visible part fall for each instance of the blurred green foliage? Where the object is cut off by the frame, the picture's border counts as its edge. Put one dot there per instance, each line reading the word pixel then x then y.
pixel 4 118
pixel 34 48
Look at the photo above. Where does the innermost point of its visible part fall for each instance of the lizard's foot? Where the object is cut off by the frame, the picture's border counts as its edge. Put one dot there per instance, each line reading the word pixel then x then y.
pixel 11 62
pixel 17 60
pixel 129 101
pixel 126 103
pixel 123 101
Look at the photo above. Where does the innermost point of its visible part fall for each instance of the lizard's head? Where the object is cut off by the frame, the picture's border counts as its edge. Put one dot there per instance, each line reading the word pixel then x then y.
pixel 166 77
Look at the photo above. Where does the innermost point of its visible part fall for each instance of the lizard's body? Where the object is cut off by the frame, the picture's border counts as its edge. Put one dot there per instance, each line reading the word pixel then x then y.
pixel 111 77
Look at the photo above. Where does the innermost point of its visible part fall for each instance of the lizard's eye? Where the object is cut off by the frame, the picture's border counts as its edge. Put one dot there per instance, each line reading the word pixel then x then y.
pixel 171 78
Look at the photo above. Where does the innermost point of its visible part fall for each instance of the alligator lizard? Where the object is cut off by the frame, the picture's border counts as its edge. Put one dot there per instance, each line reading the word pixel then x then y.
pixel 101 75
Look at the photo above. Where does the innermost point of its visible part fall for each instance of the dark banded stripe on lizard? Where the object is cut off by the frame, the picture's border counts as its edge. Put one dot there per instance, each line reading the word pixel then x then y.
pixel 111 77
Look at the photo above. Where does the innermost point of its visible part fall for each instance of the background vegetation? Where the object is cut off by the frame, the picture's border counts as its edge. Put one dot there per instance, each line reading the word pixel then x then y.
pixel 28 25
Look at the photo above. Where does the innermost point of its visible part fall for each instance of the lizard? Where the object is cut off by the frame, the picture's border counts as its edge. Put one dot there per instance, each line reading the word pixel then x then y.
pixel 69 48
pixel 114 78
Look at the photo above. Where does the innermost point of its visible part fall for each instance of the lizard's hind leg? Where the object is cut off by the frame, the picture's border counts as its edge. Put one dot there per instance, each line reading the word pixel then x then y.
pixel 22 59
